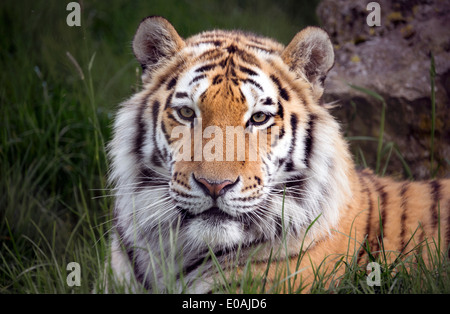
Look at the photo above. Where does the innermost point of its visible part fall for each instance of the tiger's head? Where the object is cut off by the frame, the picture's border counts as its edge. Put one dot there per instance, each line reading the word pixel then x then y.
pixel 184 152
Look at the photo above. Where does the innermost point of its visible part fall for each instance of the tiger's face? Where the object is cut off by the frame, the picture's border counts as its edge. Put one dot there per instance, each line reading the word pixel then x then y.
pixel 224 139
pixel 220 189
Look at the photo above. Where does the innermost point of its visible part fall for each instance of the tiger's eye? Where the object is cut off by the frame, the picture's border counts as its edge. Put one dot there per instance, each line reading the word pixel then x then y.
pixel 186 113
pixel 259 118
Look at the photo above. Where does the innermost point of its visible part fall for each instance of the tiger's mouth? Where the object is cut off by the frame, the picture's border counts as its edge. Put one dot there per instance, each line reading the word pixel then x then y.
pixel 213 215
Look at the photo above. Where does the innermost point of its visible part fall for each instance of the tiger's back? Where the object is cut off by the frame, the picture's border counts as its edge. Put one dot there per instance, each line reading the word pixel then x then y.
pixel 190 182
pixel 410 212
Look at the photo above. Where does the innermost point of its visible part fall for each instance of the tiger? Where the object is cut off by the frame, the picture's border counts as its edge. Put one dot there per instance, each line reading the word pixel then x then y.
pixel 302 194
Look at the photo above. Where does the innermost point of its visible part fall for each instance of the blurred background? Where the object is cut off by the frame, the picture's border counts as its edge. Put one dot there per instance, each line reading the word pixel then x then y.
pixel 60 86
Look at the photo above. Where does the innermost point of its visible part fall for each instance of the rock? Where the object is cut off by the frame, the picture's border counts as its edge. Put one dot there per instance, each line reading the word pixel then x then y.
pixel 392 60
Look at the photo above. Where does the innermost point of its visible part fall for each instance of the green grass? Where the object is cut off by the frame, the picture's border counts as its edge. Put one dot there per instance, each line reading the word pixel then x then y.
pixel 59 87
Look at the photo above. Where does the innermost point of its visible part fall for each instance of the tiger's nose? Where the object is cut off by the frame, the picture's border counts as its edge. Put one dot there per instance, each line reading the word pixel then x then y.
pixel 215 189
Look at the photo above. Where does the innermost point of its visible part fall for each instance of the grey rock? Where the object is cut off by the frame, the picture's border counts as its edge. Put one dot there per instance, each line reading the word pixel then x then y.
pixel 392 60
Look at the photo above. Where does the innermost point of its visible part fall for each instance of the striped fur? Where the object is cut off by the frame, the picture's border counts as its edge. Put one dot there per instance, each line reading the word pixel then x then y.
pixel 166 215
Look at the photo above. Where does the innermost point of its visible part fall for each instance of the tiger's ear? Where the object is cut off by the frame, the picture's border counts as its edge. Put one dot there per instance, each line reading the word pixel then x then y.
pixel 155 41
pixel 310 54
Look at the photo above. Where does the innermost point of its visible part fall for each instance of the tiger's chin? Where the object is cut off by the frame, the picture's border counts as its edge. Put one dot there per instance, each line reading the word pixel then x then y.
pixel 214 229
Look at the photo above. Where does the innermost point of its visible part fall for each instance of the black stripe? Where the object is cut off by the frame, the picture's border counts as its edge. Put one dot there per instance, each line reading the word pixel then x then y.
pixel 229 64
pixel 369 213
pixel 269 128
pixel 289 166
pixel 172 72
pixel 171 83
pixel 294 125
pixel 206 68
pixel 203 96
pixel 282 132
pixel 383 202
pixel 181 95
pixel 230 91
pixel 164 130
pixel 284 94
pixel 155 113
pixel 197 78
pixel 217 79
pixel 141 131
pixel 382 213
pixel 309 139
pixel 282 91
pixel 436 194
pixel 216 43
pixel 403 206
pixel 267 102
pixel 154 159
pixel 254 84
pixel 296 182
pixel 241 96
pixel 422 234
pixel 205 257
pixel 211 55
pixel 254 38
pixel 223 63
pixel 280 111
pixel 247 57
pixel 248 71
pixel 233 72
pixel 165 153
pixel 168 101
pixel 170 116
pixel 276 80
pixel 193 266
pixel 231 49
pixel 147 178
